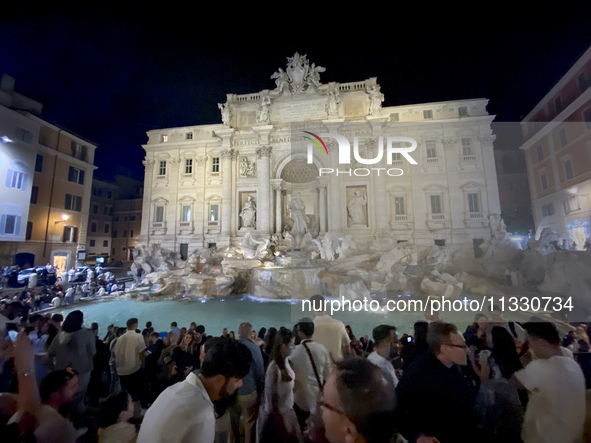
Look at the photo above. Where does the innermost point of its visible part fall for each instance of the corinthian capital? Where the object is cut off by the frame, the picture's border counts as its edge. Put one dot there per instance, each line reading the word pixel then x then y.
pixel 264 151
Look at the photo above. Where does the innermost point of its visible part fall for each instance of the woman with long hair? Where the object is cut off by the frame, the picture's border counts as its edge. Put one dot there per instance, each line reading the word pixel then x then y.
pixel 184 356
pixel 277 420
pixel 114 425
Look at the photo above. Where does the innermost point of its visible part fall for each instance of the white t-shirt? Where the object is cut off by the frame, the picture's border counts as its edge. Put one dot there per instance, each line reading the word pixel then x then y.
pixel 384 365
pixel 53 426
pixel 183 413
pixel 556 408
pixel 331 333
pixel 127 352
pixel 306 390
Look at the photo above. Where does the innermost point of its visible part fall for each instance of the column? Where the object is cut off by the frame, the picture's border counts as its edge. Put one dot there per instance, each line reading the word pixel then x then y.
pixel 147 203
pixel 226 193
pixel 335 211
pixel 278 209
pixel 263 190
pixel 235 210
pixel 322 209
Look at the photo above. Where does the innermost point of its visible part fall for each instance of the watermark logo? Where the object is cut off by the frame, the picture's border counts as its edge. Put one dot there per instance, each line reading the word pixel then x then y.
pixel 398 145
pixel 316 143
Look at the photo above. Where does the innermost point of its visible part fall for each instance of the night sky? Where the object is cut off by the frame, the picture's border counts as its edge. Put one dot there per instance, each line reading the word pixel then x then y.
pixel 110 73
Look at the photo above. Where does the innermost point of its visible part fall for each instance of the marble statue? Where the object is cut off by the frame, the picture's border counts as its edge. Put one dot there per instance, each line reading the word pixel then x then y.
pixel 299 219
pixel 247 167
pixel 225 110
pixel 281 80
pixel 376 99
pixel 255 248
pixel 356 209
pixel 248 213
pixel 298 76
pixel 333 101
pixel 263 111
pixel 313 77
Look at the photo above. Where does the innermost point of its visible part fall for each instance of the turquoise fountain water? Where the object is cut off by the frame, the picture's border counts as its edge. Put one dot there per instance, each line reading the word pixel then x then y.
pixel 218 313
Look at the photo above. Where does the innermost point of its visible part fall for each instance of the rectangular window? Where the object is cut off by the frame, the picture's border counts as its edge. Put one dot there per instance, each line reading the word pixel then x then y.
pixel 159 214
pixel 558 105
pixel 189 166
pixel 467 146
pixel 24 135
pixel 132 217
pixel 572 203
pixel 587 118
pixel 10 224
pixel 95 209
pixel 16 179
pixel 92 242
pixel 397 156
pixel 189 136
pixel 93 227
pixel 79 151
pixel 186 215
pixel 165 138
pixel 105 243
pixel 125 233
pixel 428 114
pixel 73 202
pixel 131 233
pixel 114 234
pixel 395 117
pixel 399 206
pixel 544 180
pixel 548 209
pixel 431 152
pixel 162 168
pixel 70 234
pixel 439 242
pixel 540 153
pixel 568 169
pixel 582 79
pixel 474 202
pixel 436 204
pixel 29 233
pixel 76 175
pixel 215 164
pixel 39 163
pixel 463 111
pixel 34 194
pixel 562 137
pixel 110 195
pixel 214 213
pixel 107 228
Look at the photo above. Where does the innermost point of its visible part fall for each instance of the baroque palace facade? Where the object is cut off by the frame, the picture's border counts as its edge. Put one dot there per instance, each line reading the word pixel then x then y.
pixel 209 185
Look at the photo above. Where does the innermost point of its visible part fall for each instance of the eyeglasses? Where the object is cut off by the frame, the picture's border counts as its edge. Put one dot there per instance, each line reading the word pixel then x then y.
pixel 455 345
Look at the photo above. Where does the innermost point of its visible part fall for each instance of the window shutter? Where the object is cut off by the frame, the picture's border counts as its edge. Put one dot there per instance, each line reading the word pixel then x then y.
pixel 3 224
pixel 75 236
pixel 81 177
pixel 17 225
pixel 65 235
pixel 9 174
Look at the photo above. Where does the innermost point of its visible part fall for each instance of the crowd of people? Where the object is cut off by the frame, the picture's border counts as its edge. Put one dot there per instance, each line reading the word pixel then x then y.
pixel 499 381
pixel 64 290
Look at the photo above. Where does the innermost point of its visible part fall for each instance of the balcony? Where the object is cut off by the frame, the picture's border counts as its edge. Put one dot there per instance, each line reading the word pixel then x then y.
pixel 158 228
pixel 437 221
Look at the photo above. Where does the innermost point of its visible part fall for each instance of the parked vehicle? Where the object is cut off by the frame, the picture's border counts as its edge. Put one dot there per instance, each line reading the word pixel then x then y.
pixel 44 278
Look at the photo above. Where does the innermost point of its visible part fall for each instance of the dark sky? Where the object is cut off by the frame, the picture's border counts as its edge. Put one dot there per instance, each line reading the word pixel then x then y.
pixel 110 73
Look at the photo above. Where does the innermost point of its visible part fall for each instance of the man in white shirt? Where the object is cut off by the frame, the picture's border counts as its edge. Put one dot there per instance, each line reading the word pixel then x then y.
pixel 556 385
pixel 130 351
pixel 58 388
pixel 329 331
pixel 307 384
pixel 384 337
pixel 184 411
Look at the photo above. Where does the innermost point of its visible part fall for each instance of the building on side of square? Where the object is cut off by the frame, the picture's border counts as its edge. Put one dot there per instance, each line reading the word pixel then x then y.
pixel 202 181
pixel 557 134
pixel 100 223
pixel 50 169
